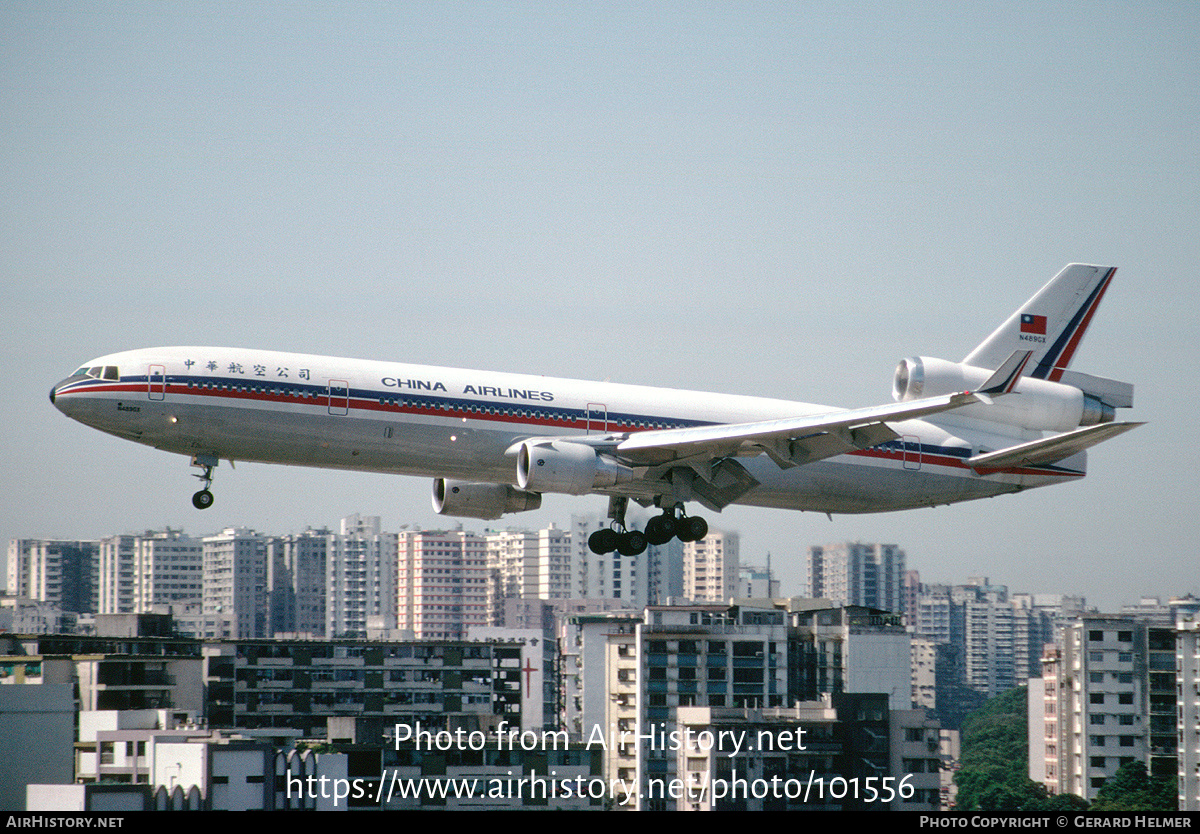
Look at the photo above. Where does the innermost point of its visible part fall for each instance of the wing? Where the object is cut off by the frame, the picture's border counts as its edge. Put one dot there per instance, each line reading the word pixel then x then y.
pixel 790 441
pixel 698 463
pixel 796 440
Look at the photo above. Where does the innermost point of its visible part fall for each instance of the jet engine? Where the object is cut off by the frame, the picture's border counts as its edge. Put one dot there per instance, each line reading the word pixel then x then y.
pixel 1035 404
pixel 563 466
pixel 487 501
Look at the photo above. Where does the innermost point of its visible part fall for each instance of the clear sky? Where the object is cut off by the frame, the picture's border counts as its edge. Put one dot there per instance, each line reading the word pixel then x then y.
pixel 776 199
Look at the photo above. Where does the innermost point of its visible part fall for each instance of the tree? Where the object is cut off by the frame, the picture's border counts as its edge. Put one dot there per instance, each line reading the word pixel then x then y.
pixel 1132 789
pixel 994 770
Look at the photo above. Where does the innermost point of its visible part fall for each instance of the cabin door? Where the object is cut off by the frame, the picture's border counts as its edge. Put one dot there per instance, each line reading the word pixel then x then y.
pixel 597 418
pixel 338 392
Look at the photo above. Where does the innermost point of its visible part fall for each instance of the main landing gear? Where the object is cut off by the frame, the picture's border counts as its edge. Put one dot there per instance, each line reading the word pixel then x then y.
pixel 659 530
pixel 203 499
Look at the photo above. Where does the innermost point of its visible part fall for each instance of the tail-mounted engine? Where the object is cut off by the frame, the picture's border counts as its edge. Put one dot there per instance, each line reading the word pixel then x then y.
pixel 1035 404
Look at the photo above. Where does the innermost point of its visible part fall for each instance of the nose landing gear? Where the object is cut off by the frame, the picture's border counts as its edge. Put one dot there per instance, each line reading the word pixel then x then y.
pixel 203 499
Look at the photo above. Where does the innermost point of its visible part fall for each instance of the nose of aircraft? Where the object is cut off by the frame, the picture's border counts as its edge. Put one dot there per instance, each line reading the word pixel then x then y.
pixel 54 392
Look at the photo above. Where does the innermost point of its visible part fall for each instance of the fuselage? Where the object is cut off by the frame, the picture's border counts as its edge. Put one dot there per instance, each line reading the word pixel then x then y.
pixel 393 417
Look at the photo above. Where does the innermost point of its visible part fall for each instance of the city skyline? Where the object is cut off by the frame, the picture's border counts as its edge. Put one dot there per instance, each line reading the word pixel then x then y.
pixel 778 202
pixel 758 561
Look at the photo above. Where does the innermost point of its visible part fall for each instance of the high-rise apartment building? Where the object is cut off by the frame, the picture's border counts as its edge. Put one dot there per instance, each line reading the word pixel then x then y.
pixel 61 573
pixel 1187 664
pixel 650 578
pixel 168 569
pixel 116 589
pixel 710 568
pixel 360 565
pixel 1108 698
pixel 296 582
pixel 760 655
pixel 527 565
pixel 442 583
pixel 854 573
pixel 986 640
pixel 235 585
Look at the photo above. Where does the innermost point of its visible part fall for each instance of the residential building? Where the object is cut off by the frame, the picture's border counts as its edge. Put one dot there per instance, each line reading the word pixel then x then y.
pixel 650 578
pixel 235 584
pixel 854 573
pixel 442 583
pixel 59 572
pixel 1187 664
pixel 360 577
pixel 168 569
pixel 118 585
pixel 1108 698
pixel 296 576
pixel 710 568
pixel 439 684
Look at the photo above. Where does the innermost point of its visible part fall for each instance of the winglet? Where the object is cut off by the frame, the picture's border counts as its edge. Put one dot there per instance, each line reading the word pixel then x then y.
pixel 1006 377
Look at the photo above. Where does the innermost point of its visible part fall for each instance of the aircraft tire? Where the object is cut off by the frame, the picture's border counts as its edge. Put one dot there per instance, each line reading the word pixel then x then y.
pixel 603 541
pixel 202 500
pixel 661 529
pixel 692 528
pixel 632 543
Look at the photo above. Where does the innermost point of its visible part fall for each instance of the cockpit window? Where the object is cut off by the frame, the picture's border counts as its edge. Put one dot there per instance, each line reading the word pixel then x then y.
pixel 99 372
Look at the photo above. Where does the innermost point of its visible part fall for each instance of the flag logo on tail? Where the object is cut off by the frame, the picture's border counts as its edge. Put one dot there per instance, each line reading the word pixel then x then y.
pixel 1033 324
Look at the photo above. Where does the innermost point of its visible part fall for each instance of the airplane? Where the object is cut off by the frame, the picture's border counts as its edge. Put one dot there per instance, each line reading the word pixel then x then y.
pixel 1010 416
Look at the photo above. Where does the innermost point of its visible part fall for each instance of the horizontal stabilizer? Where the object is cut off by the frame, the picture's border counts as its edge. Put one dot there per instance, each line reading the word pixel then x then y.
pixel 1110 391
pixel 1049 449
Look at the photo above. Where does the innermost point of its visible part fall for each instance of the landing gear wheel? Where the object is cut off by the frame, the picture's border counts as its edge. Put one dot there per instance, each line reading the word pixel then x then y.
pixel 603 541
pixel 202 500
pixel 661 529
pixel 692 529
pixel 631 543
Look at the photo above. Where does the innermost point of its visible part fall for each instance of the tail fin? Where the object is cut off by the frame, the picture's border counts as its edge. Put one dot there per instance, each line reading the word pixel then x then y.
pixel 1052 323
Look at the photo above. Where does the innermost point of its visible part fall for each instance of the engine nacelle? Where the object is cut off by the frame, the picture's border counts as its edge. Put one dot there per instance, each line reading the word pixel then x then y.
pixel 1035 404
pixel 487 501
pixel 562 466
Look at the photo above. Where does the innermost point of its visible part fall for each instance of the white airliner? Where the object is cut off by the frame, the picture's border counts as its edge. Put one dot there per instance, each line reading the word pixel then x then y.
pixel 1008 417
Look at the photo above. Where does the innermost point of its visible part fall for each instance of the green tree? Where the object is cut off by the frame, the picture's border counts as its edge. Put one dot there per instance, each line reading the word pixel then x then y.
pixel 993 773
pixel 1132 789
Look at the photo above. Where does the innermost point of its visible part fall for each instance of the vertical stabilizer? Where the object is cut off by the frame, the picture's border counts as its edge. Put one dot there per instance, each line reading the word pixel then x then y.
pixel 1051 324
